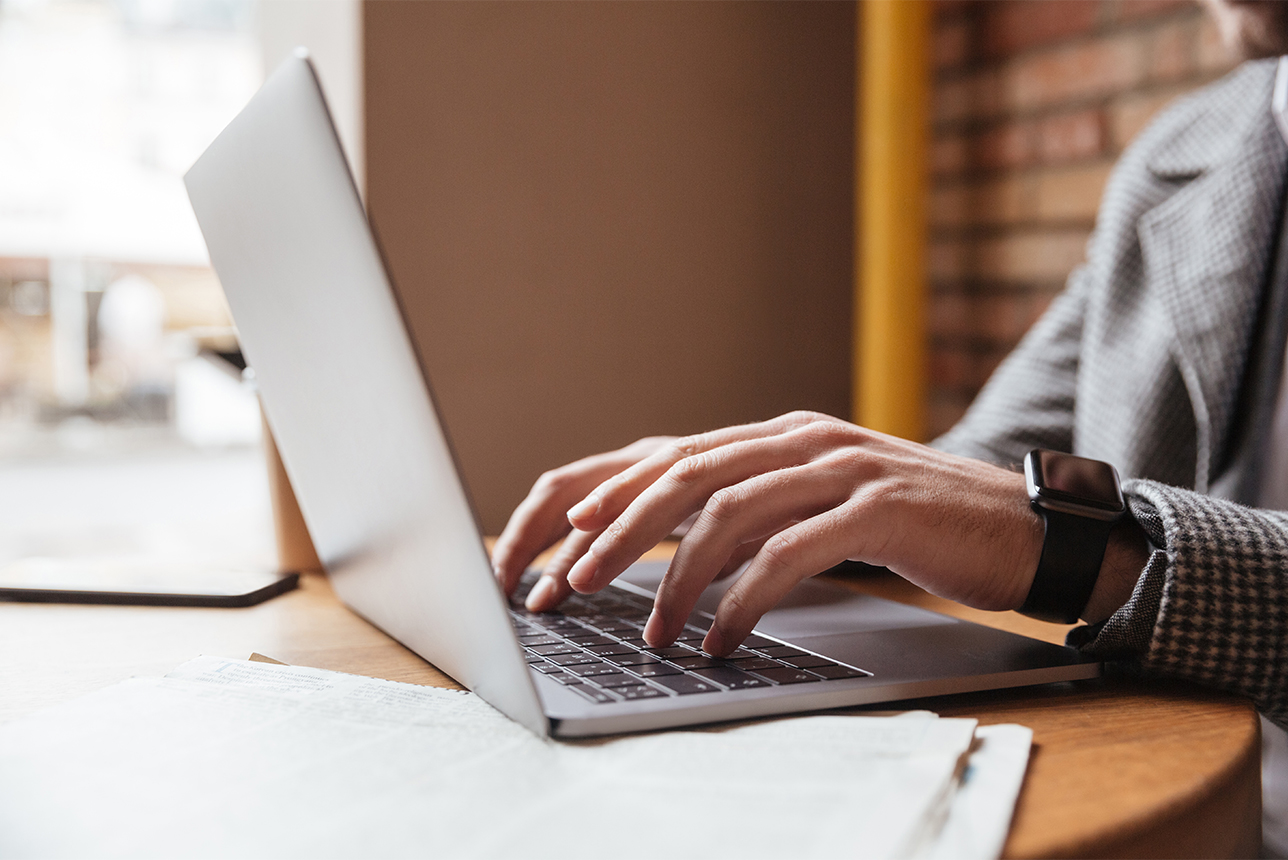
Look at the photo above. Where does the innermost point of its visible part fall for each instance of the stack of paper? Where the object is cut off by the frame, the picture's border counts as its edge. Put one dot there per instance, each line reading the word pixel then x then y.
pixel 230 758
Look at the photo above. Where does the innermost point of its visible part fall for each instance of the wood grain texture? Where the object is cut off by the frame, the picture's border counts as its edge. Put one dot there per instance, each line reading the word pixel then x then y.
pixel 1121 767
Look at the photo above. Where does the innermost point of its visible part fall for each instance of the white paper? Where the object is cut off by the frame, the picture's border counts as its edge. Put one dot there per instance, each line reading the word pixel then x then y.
pixel 224 757
pixel 976 818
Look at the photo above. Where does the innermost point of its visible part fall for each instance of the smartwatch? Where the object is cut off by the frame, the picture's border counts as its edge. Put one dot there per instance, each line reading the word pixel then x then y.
pixel 1079 500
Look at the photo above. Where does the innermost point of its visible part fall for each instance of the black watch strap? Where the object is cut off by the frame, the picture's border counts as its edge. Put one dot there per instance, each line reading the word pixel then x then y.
pixel 1072 552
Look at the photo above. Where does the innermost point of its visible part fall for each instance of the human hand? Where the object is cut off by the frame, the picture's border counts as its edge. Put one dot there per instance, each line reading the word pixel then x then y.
pixel 797 495
pixel 541 520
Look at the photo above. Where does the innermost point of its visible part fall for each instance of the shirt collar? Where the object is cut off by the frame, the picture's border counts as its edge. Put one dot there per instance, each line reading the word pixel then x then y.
pixel 1279 101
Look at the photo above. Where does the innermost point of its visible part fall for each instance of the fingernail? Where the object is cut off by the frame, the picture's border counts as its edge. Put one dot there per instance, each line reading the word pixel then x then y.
pixel 653 629
pixel 582 575
pixel 587 507
pixel 539 594
pixel 714 643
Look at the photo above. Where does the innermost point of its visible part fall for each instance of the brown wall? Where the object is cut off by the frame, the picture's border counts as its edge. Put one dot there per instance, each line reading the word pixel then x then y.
pixel 1033 103
pixel 609 220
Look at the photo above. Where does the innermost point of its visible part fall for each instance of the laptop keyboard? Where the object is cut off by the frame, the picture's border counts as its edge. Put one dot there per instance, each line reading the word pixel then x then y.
pixel 594 645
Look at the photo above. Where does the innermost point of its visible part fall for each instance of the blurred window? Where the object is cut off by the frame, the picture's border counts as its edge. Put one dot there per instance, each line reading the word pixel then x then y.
pixel 105 288
pixel 122 431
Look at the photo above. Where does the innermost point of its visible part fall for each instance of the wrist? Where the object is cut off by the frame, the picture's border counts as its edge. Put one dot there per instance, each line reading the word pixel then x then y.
pixel 1080 500
pixel 1031 533
pixel 1125 558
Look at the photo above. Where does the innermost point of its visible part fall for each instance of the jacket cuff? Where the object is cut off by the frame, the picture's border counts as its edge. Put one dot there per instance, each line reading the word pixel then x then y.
pixel 1126 634
pixel 1211 605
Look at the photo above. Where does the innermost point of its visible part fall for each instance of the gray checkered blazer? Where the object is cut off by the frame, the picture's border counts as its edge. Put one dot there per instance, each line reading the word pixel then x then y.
pixel 1149 360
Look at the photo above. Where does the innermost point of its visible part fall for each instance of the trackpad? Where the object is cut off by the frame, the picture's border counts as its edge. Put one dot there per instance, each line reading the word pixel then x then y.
pixel 810 609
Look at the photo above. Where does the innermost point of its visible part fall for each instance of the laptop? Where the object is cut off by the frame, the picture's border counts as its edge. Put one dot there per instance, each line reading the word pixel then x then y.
pixel 355 420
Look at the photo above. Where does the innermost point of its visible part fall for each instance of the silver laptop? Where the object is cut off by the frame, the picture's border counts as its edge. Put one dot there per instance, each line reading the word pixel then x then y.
pixel 374 472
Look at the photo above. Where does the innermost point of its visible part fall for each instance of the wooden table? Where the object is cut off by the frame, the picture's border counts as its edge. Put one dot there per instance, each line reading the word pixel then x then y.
pixel 1120 767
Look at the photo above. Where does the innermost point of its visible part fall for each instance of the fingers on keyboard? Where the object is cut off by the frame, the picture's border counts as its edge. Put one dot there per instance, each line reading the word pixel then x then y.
pixel 595 647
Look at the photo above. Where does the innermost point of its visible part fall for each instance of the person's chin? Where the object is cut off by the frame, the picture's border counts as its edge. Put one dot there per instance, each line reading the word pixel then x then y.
pixel 1254 28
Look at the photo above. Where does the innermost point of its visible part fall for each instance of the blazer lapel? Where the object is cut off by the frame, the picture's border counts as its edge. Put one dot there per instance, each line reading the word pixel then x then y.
pixel 1207 250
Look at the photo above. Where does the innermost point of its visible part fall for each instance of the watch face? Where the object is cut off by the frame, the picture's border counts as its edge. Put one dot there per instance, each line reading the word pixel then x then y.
pixel 1078 480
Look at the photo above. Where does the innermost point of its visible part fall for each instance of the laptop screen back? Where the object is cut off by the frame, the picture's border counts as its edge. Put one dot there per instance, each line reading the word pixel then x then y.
pixel 343 390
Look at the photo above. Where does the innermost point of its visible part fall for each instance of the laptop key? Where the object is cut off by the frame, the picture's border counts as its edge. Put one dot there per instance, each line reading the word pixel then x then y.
pixel 565 679
pixel 547 668
pixel 556 630
pixel 728 676
pixel 672 652
pixel 787 675
pixel 639 692
pixel 742 654
pixel 612 649
pixel 571 659
pixel 834 672
pixel 534 639
pixel 550 650
pixel 616 626
pixel 755 641
pixel 595 695
pixel 686 684
pixel 586 639
pixel 781 652
pixel 633 658
pixel 588 670
pixel 619 680
pixel 757 664
pixel 553 622
pixel 690 635
pixel 656 669
pixel 696 661
pixel 534 658
pixel 809 661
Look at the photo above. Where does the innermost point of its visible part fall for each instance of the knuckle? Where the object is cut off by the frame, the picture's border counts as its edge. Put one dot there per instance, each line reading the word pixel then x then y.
pixel 553 481
pixel 781 551
pixel 738 606
pixel 850 461
pixel 685 446
pixel 824 434
pixel 725 504
pixel 862 503
pixel 805 417
pixel 612 535
pixel 690 470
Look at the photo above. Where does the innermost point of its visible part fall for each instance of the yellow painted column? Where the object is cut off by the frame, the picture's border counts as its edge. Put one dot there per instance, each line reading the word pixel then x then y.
pixel 890 221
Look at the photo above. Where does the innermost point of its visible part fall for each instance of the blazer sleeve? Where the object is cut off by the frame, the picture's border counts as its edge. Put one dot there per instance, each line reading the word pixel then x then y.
pixel 1212 603
pixel 1028 402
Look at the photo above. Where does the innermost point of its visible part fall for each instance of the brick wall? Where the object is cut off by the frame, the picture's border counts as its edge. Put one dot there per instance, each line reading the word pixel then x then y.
pixel 1032 104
